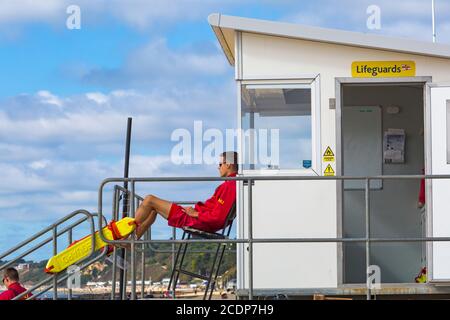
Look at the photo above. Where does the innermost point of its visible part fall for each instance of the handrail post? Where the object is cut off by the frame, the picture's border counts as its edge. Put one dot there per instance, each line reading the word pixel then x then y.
pixel 143 272
pixel 367 202
pixel 125 277
pixel 149 237
pixel 174 236
pixel 133 246
pixel 113 276
pixel 69 237
pixel 143 268
pixel 143 260
pixel 55 276
pixel 114 265
pixel 250 242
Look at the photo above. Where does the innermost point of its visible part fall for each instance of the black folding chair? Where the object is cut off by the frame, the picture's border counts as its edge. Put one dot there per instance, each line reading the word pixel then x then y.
pixel 192 233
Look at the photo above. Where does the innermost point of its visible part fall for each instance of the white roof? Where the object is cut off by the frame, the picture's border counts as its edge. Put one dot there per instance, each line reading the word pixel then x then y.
pixel 224 27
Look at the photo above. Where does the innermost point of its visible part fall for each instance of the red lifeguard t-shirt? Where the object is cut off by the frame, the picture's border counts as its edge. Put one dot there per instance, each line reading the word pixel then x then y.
pixel 214 211
pixel 13 291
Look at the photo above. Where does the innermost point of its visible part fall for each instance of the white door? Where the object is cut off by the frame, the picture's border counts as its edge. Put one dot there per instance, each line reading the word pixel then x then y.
pixel 439 208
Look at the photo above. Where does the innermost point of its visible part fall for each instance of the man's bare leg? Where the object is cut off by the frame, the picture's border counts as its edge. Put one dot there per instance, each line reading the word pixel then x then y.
pixel 147 222
pixel 146 213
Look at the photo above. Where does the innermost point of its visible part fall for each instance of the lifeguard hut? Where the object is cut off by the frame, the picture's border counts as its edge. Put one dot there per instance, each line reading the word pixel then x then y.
pixel 345 104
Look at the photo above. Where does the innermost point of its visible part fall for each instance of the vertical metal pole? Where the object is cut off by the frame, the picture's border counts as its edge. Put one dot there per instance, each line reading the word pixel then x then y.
pixel 250 242
pixel 113 277
pixel 125 200
pixel 433 22
pixel 133 247
pixel 143 268
pixel 55 276
pixel 367 200
pixel 124 284
pixel 143 262
pixel 174 236
pixel 114 266
pixel 252 141
pixel 69 238
pixel 149 237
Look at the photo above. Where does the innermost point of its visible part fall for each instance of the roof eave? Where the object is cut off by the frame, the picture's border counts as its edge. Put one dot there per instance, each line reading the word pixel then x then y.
pixel 340 37
pixel 214 21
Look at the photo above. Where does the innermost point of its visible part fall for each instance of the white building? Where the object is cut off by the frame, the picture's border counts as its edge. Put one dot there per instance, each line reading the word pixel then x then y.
pixel 23 266
pixel 335 95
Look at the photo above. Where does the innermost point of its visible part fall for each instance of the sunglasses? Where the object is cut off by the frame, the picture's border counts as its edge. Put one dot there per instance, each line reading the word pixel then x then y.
pixel 3 280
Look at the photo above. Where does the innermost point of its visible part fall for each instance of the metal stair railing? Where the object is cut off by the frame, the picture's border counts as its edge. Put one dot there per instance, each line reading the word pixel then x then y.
pixel 57 278
pixel 367 239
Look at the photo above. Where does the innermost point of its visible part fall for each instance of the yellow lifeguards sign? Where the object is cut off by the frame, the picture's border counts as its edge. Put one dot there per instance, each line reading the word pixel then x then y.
pixel 381 69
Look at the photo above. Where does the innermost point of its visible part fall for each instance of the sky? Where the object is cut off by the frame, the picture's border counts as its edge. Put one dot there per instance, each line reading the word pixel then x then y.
pixel 66 94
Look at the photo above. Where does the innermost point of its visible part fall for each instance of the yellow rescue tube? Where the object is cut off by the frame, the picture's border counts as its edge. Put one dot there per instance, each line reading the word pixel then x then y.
pixel 80 249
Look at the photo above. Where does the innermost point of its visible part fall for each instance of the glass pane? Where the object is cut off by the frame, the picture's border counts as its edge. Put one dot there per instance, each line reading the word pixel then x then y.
pixel 277 126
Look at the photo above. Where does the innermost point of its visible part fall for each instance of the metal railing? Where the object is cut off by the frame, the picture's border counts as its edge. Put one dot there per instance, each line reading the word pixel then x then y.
pixel 55 234
pixel 250 240
pixel 55 278
pixel 118 196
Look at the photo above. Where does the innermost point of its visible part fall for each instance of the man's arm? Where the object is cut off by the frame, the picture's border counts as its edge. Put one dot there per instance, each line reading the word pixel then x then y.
pixel 191 212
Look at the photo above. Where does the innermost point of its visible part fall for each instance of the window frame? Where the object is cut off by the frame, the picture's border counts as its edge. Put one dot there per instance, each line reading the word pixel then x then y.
pixel 314 85
pixel 447 129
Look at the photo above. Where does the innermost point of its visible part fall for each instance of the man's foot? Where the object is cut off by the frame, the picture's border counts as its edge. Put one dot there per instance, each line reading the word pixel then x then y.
pixel 123 245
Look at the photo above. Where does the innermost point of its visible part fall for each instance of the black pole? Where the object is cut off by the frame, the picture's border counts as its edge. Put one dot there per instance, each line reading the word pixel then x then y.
pixel 125 201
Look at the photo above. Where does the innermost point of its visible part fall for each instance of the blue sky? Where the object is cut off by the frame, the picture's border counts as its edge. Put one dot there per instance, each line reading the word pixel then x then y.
pixel 65 94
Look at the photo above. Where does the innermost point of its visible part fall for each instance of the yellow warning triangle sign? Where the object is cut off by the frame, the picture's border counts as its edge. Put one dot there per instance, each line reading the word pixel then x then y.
pixel 328 156
pixel 328 153
pixel 328 171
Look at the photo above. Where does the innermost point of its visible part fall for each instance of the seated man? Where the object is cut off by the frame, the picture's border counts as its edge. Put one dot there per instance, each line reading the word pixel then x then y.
pixel 209 216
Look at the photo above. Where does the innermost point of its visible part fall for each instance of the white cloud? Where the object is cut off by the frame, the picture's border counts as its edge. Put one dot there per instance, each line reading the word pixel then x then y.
pixel 49 98
pixel 17 178
pixel 97 97
pixel 74 126
pixel 144 13
pixel 411 18
pixel 30 10
pixel 159 59
pixel 78 196
pixel 75 146
pixel 151 14
pixel 81 119
pixel 38 165
pixel 14 152
pixel 124 93
pixel 155 64
pixel 147 166
pixel 10 202
pixel 141 14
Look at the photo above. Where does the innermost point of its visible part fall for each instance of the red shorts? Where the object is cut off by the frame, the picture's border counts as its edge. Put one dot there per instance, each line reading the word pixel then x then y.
pixel 178 218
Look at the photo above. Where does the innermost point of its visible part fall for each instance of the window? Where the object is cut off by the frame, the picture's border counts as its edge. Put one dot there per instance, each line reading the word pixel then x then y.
pixel 277 123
